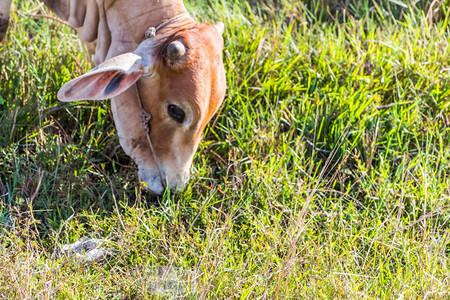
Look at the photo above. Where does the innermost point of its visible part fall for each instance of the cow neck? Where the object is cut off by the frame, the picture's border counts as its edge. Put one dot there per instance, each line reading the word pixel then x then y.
pixel 122 23
pixel 171 26
pixel 162 31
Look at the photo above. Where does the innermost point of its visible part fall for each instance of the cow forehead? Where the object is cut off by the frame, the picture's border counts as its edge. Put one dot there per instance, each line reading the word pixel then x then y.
pixel 203 41
pixel 195 78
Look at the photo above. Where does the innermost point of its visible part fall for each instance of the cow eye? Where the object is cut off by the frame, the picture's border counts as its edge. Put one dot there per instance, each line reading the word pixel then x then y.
pixel 176 112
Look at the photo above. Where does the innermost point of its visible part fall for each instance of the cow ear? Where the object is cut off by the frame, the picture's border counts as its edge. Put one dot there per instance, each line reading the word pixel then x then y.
pixel 220 27
pixel 107 80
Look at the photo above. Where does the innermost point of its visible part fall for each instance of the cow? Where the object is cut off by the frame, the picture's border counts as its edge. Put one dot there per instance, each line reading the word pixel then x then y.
pixel 162 70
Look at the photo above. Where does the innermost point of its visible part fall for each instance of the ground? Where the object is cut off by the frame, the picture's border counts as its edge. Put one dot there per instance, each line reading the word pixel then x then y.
pixel 325 174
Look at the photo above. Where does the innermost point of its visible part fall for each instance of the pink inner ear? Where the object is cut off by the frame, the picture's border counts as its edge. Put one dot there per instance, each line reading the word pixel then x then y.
pixel 98 86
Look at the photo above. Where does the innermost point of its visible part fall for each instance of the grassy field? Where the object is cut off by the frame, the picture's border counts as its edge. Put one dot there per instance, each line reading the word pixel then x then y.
pixel 325 174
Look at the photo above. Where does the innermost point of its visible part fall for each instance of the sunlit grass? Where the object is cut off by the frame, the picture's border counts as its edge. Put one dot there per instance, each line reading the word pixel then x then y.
pixel 325 174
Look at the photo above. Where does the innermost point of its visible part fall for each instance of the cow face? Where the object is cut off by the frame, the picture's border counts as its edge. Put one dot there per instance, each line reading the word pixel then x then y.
pixel 180 81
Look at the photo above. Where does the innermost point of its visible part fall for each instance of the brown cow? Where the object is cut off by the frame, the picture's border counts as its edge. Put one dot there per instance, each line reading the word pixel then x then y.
pixel 154 60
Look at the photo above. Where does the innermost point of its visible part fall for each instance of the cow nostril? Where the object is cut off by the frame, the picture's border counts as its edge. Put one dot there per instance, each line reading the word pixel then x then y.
pixel 152 184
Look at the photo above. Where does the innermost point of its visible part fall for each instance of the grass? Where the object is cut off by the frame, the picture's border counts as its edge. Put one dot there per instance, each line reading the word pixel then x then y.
pixel 324 175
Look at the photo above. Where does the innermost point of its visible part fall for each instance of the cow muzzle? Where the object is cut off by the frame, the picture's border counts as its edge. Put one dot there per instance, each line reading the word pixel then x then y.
pixel 151 180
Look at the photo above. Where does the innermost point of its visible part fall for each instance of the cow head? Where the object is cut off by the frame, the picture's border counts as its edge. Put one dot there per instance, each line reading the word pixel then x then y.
pixel 181 82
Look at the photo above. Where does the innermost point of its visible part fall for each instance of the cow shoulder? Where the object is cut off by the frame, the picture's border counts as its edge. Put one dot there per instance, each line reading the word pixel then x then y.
pixel 4 17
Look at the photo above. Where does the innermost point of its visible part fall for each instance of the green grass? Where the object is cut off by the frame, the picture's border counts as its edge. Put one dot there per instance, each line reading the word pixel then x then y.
pixel 325 174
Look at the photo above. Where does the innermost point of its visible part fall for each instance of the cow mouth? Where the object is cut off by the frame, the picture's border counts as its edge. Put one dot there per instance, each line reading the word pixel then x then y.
pixel 153 185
